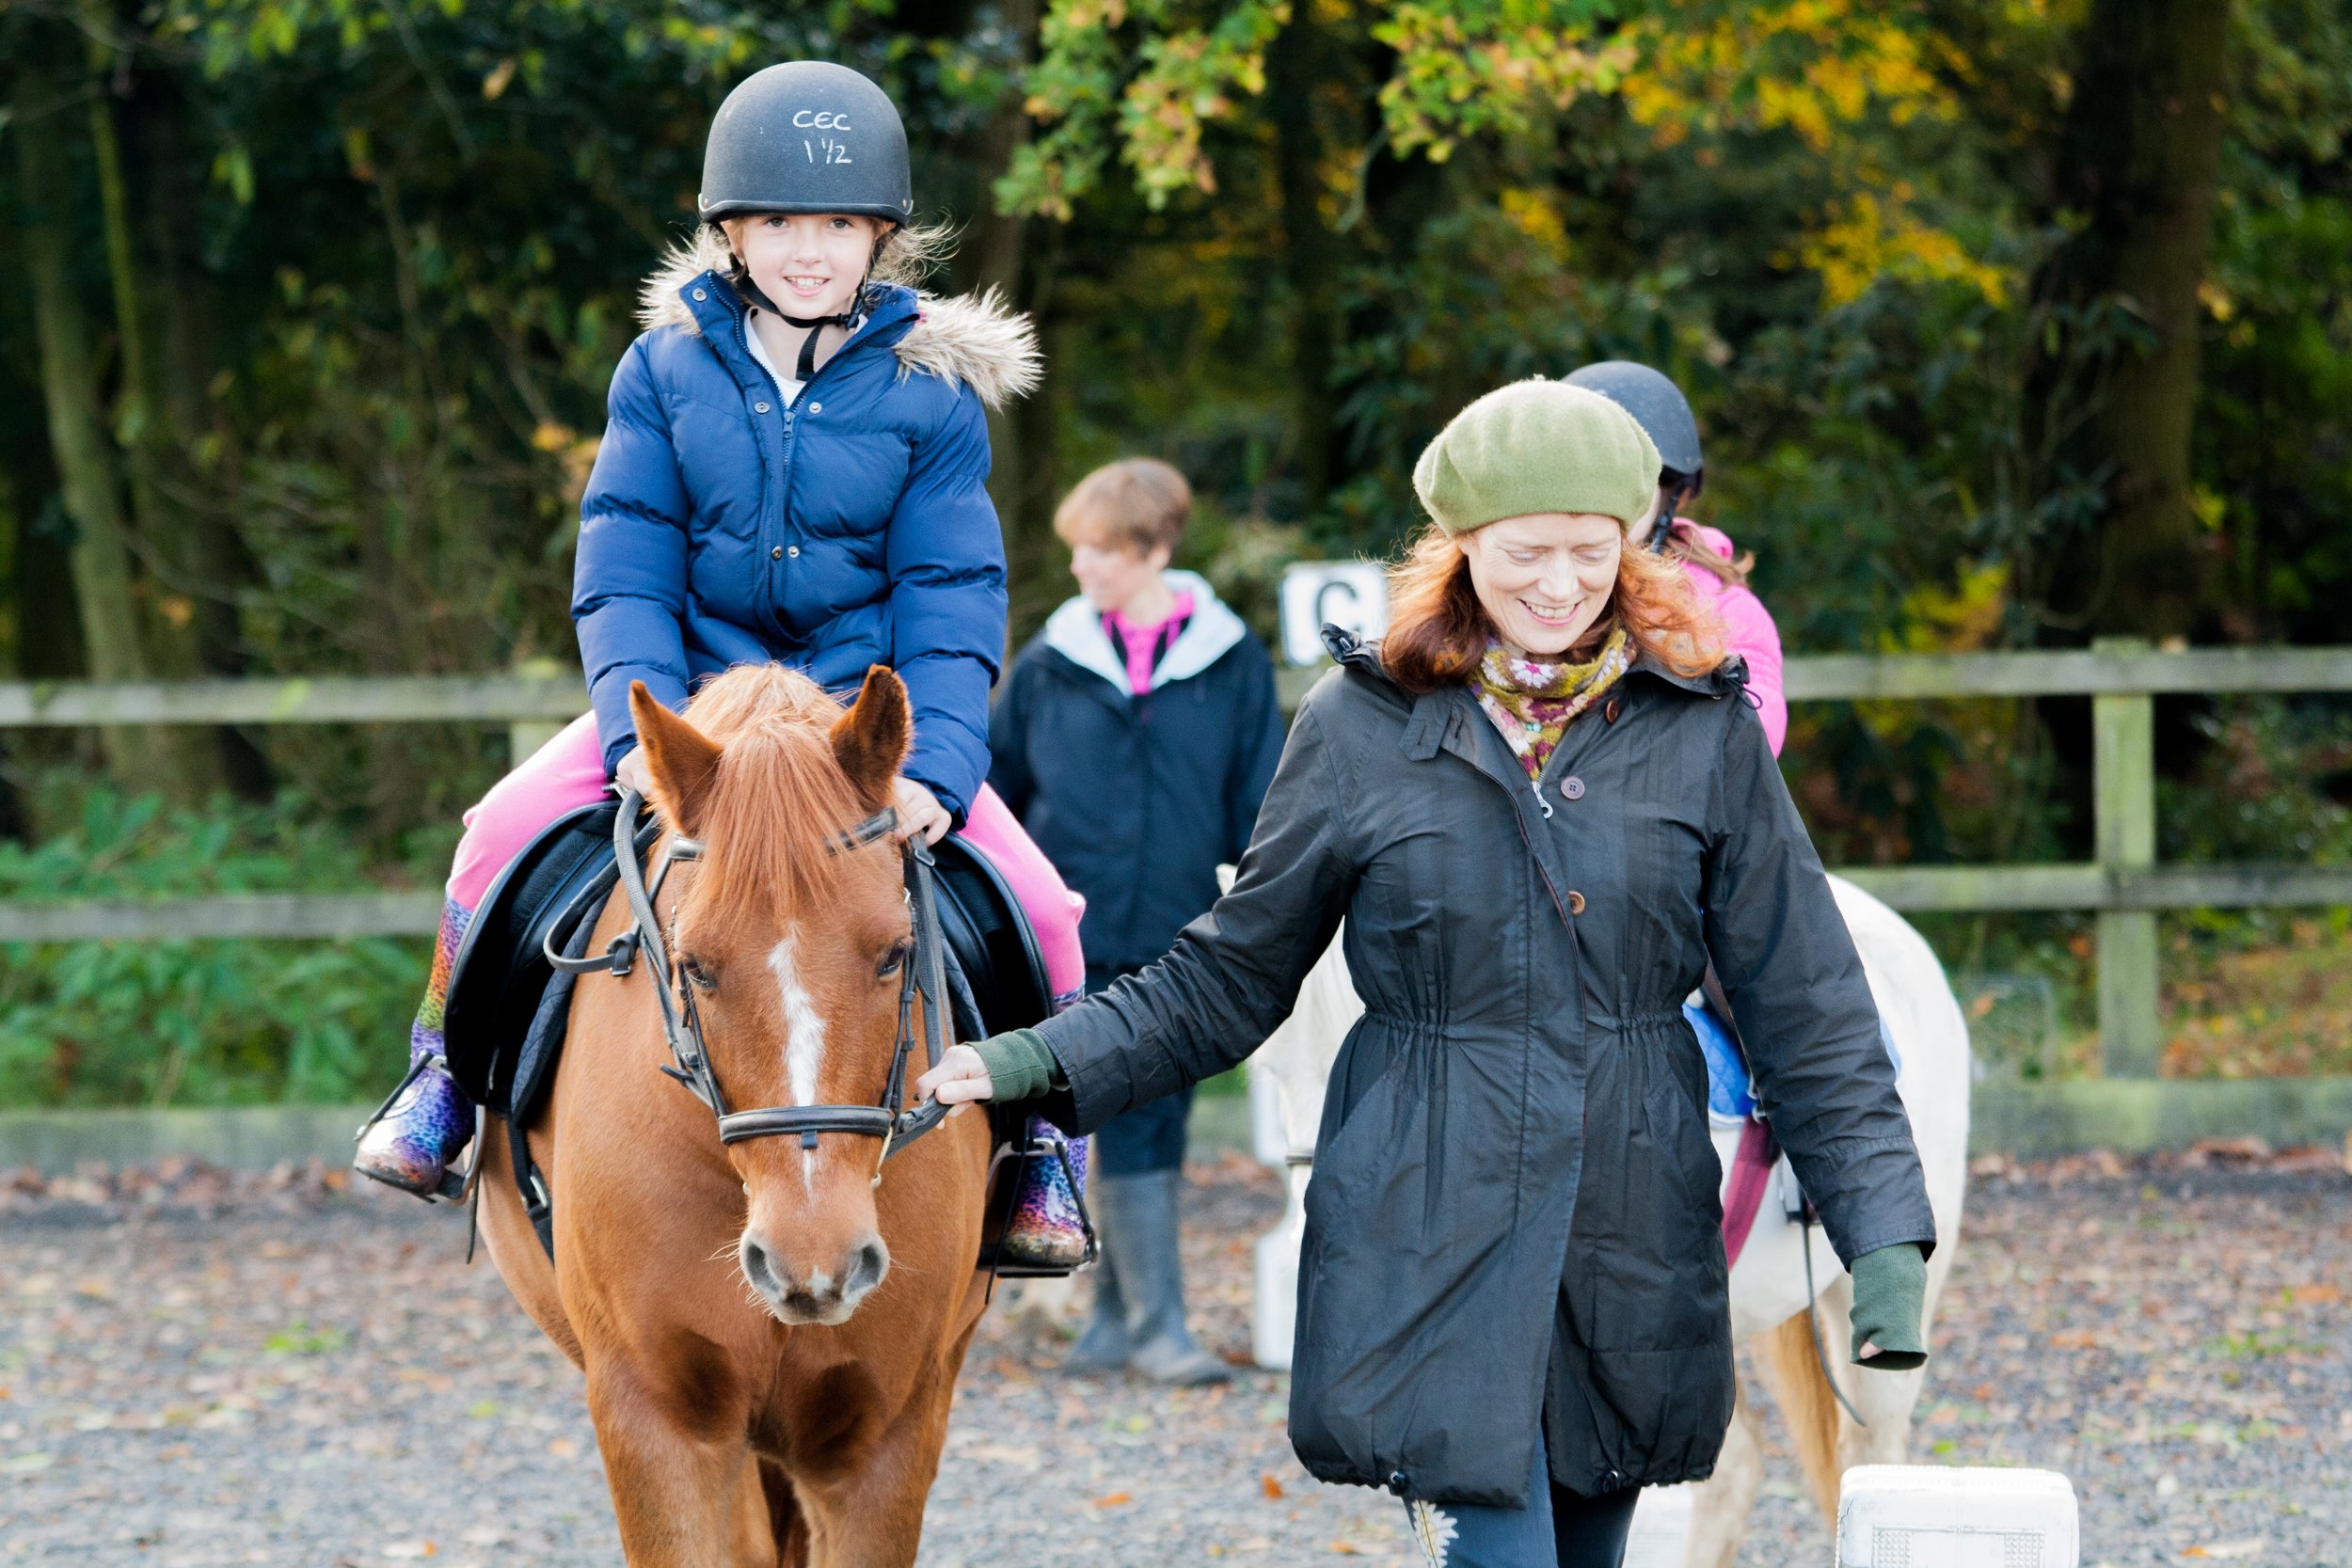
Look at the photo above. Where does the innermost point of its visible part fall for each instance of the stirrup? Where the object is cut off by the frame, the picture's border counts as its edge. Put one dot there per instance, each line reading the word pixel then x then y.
pixel 994 1257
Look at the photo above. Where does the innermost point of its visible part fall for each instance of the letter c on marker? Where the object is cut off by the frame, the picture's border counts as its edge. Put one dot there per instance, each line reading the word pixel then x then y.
pixel 821 120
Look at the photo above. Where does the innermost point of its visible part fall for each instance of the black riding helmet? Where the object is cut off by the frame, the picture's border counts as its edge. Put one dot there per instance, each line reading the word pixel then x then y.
pixel 806 136
pixel 1663 413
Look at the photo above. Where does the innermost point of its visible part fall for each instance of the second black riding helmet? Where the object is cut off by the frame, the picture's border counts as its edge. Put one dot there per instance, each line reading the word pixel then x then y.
pixel 1658 408
pixel 806 136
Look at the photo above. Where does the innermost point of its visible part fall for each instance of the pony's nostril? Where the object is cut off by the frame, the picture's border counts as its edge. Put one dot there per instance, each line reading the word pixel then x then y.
pixel 760 1269
pixel 867 1268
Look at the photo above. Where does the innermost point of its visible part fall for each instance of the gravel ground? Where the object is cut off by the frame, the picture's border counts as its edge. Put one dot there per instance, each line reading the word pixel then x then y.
pixel 197 1369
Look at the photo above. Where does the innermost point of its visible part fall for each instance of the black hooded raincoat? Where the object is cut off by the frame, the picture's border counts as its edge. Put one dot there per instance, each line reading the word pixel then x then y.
pixel 1514 1214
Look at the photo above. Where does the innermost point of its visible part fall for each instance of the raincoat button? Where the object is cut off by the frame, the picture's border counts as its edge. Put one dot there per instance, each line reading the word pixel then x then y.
pixel 1576 902
pixel 1610 712
pixel 776 554
pixel 1571 788
pixel 699 295
pixel 794 551
pixel 1398 1483
pixel 759 408
pixel 816 407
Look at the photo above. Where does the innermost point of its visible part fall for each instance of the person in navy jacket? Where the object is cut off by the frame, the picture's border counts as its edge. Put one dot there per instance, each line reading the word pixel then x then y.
pixel 794 469
pixel 1134 738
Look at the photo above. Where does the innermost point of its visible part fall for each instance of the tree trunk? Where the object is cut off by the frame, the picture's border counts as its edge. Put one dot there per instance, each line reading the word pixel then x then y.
pixel 1311 263
pixel 100 558
pixel 158 529
pixel 207 556
pixel 998 246
pixel 2138 160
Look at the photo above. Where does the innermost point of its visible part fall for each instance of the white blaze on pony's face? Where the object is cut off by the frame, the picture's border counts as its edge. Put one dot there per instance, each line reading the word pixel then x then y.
pixel 794 947
pixel 804 1037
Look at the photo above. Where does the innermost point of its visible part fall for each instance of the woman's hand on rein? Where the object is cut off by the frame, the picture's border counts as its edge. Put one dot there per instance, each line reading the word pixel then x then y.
pixel 919 812
pixel 961 1075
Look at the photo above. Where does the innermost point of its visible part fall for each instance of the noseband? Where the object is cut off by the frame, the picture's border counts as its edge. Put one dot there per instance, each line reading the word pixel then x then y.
pixel 925 976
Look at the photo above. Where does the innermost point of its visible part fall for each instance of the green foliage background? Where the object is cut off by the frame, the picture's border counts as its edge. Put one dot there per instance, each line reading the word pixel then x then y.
pixel 387 255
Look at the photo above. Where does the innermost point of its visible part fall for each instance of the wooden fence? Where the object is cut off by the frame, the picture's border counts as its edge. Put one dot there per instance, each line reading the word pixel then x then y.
pixel 2123 883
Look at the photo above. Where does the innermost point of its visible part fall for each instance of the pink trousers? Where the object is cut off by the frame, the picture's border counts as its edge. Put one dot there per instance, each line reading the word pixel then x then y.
pixel 568 772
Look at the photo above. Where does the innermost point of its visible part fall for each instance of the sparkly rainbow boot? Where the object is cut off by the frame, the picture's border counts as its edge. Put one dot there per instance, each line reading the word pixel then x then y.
pixel 422 1125
pixel 1049 1231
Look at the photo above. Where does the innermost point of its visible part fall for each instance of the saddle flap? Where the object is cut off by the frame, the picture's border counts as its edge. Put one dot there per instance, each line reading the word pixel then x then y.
pixel 990 940
pixel 499 978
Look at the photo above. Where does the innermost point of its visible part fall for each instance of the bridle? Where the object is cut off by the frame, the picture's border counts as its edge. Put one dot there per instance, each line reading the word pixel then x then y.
pixel 924 975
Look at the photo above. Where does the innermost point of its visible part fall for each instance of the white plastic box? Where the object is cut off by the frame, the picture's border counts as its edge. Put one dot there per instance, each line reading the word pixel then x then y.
pixel 1933 1517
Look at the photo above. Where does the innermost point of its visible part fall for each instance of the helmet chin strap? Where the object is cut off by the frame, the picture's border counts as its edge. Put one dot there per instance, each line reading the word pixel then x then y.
pixel 1662 530
pixel 813 326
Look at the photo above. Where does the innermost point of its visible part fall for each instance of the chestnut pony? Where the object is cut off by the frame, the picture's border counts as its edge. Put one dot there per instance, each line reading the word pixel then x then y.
pixel 770 1335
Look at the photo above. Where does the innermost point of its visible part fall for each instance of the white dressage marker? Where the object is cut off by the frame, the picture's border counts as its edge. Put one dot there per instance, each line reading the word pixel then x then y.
pixel 1931 1517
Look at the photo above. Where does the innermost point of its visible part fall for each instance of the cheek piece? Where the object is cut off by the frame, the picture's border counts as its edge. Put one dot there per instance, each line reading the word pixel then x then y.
pixel 741 277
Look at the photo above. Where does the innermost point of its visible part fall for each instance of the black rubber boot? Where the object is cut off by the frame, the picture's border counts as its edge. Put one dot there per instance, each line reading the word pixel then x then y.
pixel 1103 1348
pixel 1136 1215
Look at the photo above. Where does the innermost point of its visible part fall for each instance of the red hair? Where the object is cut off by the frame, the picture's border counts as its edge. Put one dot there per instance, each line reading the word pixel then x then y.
pixel 1438 630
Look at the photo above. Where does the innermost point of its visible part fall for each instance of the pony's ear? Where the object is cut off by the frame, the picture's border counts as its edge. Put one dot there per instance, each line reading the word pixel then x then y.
pixel 870 740
pixel 683 761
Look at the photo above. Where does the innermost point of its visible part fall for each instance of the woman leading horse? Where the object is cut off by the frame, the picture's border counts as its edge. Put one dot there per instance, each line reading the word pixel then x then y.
pixel 1541 804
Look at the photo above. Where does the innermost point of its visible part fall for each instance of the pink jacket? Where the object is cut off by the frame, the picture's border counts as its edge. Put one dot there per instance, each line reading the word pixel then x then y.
pixel 1748 630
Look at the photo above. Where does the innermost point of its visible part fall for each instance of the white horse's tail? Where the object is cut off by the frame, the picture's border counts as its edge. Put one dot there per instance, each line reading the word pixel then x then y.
pixel 1790 1364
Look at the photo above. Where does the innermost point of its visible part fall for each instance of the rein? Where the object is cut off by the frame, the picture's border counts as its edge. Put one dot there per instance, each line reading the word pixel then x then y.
pixel 925 976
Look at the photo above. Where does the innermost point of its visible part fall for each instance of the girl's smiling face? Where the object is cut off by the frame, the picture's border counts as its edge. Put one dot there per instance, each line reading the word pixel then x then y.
pixel 1544 579
pixel 810 263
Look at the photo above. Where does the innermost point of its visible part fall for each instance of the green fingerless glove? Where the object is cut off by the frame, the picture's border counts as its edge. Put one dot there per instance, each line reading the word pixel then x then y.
pixel 1020 1064
pixel 1890 1296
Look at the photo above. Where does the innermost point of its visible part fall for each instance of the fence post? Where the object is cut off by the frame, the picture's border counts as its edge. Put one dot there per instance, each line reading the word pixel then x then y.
pixel 528 736
pixel 2123 738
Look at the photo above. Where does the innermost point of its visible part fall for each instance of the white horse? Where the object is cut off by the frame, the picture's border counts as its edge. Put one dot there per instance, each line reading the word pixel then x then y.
pixel 1769 1293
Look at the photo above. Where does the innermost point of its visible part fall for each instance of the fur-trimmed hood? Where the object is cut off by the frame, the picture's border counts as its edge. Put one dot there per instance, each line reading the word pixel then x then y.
pixel 979 341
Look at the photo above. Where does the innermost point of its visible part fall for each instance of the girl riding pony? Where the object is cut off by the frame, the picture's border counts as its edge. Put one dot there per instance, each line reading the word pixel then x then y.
pixel 794 469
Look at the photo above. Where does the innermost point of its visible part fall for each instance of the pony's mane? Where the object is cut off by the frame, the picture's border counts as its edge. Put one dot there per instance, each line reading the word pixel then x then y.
pixel 780 796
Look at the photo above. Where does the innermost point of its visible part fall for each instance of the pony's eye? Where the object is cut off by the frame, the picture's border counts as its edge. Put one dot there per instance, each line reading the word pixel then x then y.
pixel 893 961
pixel 700 978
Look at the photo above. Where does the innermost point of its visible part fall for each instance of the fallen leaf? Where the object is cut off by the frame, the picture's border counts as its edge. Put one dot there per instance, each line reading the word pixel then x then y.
pixel 25 1463
pixel 563 1447
pixel 1270 1486
pixel 2073 1339
pixel 1345 1549
pixel 1114 1499
pixel 2251 1546
pixel 2231 1149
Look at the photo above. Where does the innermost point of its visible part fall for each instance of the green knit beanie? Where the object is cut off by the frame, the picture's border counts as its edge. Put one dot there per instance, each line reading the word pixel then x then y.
pixel 1537 445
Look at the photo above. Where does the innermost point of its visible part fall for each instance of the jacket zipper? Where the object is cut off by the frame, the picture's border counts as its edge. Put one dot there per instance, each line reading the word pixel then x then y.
pixel 789 408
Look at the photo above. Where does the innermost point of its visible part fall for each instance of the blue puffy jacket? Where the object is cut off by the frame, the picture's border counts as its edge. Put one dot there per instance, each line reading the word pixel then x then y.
pixel 852 527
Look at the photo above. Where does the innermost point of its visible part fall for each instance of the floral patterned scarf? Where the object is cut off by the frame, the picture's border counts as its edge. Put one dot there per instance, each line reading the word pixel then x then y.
pixel 1532 701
